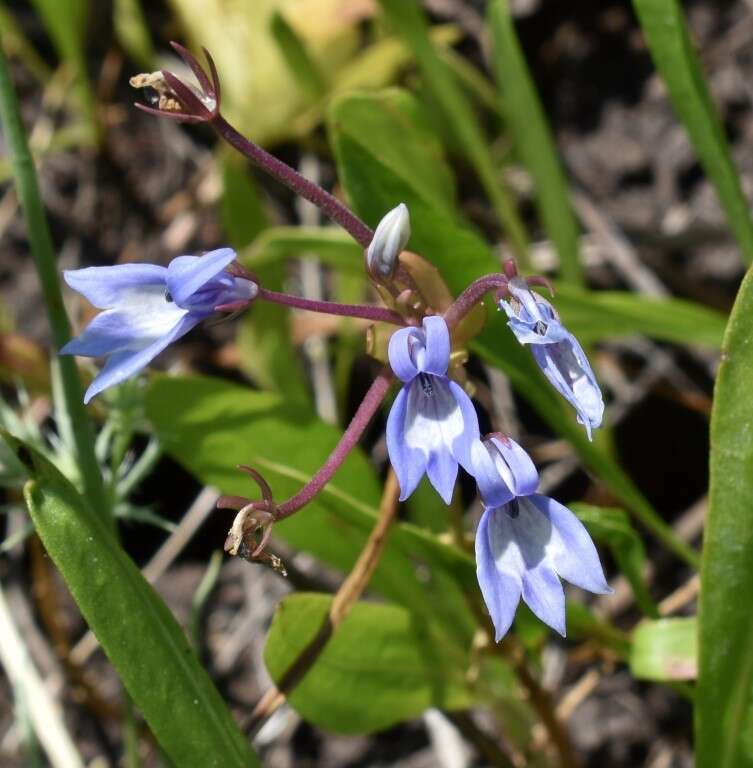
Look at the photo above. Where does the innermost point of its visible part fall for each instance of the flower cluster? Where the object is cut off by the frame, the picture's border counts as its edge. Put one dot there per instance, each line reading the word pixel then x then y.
pixel 525 541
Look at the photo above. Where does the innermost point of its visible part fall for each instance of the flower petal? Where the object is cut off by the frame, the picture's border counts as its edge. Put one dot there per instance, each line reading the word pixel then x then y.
pixel 494 491
pixel 409 464
pixel 187 274
pixel 125 365
pixel 399 353
pixel 501 591
pixel 147 319
pixel 571 549
pixel 567 368
pixel 515 466
pixel 543 594
pixel 442 470
pixel 107 287
pixel 463 442
pixel 436 357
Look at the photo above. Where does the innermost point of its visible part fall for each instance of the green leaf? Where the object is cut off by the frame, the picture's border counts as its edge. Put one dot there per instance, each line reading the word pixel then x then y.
pixel 375 183
pixel 408 20
pixel 139 634
pixel 533 138
pixel 211 426
pixel 672 49
pixel 381 666
pixel 724 714
pixel 612 527
pixel 664 650
pixel 597 315
pixel 133 32
pixel 303 68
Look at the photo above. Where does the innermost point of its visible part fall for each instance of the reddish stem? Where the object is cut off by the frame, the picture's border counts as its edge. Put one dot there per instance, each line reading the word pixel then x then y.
pixel 369 405
pixel 471 296
pixel 365 311
pixel 322 199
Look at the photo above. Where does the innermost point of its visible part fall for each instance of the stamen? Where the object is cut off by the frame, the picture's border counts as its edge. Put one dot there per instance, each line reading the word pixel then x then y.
pixel 540 328
pixel 425 380
pixel 168 296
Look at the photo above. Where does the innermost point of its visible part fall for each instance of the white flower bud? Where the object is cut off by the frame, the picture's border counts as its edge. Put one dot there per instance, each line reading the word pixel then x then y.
pixel 391 236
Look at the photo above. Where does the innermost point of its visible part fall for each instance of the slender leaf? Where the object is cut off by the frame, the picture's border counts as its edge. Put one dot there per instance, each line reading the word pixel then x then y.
pixel 672 49
pixel 533 139
pixel 724 714
pixel 40 242
pixel 303 68
pixel 381 666
pixel 664 650
pixel 139 634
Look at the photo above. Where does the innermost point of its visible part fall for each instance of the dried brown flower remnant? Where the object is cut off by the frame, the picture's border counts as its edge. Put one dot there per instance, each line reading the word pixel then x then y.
pixel 164 96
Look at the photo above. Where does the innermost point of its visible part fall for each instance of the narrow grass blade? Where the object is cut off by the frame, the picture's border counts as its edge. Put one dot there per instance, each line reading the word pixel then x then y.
pixel 40 242
pixel 671 47
pixel 533 139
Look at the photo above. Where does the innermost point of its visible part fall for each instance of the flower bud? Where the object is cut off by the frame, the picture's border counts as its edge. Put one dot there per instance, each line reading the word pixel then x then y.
pixel 391 236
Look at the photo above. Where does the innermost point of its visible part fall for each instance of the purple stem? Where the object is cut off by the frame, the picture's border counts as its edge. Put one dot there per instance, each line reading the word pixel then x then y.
pixel 322 199
pixel 371 401
pixel 471 296
pixel 365 311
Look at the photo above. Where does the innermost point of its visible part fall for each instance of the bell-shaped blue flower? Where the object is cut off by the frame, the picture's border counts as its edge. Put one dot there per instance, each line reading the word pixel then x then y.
pixel 147 307
pixel 432 424
pixel 526 542
pixel 557 352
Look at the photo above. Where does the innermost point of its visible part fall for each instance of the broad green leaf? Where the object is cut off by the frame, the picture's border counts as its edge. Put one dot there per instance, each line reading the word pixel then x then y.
pixel 383 665
pixel 211 426
pixel 376 185
pixel 724 713
pixel 407 18
pixel 139 634
pixel 672 49
pixel 612 527
pixel 533 138
pixel 664 650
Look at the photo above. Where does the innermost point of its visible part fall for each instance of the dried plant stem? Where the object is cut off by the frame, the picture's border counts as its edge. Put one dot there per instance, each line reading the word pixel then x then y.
pixel 350 591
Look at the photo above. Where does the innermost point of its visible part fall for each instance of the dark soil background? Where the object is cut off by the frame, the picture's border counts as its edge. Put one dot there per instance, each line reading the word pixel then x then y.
pixel 651 224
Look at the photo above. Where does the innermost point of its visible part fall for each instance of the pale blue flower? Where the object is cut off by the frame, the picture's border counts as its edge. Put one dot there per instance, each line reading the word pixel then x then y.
pixel 432 424
pixel 147 307
pixel 526 542
pixel 534 321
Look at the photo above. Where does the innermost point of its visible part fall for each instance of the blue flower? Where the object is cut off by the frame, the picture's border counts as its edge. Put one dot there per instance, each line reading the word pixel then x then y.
pixel 526 542
pixel 534 321
pixel 432 424
pixel 147 307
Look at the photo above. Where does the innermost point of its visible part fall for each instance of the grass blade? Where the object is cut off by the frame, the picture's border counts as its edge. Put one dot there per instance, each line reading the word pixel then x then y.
pixel 533 139
pixel 671 47
pixel 40 242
